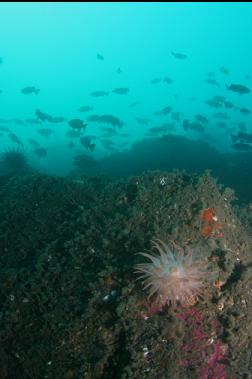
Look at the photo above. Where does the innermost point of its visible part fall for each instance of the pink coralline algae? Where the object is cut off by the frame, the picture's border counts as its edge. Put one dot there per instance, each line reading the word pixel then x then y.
pixel 205 353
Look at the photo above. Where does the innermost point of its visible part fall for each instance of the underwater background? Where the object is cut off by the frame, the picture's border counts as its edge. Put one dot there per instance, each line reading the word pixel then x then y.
pixel 125 190
pixel 172 63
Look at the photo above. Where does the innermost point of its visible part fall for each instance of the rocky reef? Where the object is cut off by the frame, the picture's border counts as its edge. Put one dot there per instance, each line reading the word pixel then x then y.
pixel 71 306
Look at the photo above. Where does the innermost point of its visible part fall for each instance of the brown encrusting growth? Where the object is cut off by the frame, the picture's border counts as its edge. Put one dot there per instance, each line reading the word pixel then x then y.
pixel 71 306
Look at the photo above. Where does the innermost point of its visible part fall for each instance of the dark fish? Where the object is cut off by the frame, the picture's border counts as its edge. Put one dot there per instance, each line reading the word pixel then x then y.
pixel 86 142
pixel 43 116
pixel 201 118
pixel 85 108
pixel 1 60
pixel 46 117
pixel 45 132
pixel 18 121
pixel 245 111
pixel 242 137
pixel 83 161
pixel 119 70
pixel 29 90
pixel 107 119
pixel 220 99
pixel 143 121
pixel 228 104
pixel 156 81
pixel 179 55
pixel 134 104
pixel 33 142
pixel 15 138
pixel 1 91
pixel 239 88
pixel 167 80
pixel 99 93
pixel 195 126
pixel 164 111
pixel 34 121
pixel 40 152
pixel 213 103
pixel 247 76
pixel 121 91
pixel 240 146
pixel 212 82
pixel 161 129
pixel 224 70
pixel 78 124
pixel 222 116
pixel 100 57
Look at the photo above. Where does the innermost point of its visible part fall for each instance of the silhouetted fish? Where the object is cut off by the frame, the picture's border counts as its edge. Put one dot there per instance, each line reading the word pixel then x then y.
pixel 167 80
pixel 224 70
pixel 43 116
pixel 33 142
pixel 78 124
pixel 242 137
pixel 14 138
pixel 245 111
pixel 213 103
pixel 85 108
pixel 164 111
pixel 121 91
pixel 212 82
pixel 29 90
pixel 201 118
pixel 107 119
pixel 240 146
pixel 179 55
pixel 196 126
pixel 99 93
pixel 100 57
pixel 40 152
pixel 239 88
pixel 86 142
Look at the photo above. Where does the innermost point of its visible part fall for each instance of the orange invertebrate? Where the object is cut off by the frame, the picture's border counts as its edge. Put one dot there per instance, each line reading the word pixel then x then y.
pixel 210 225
